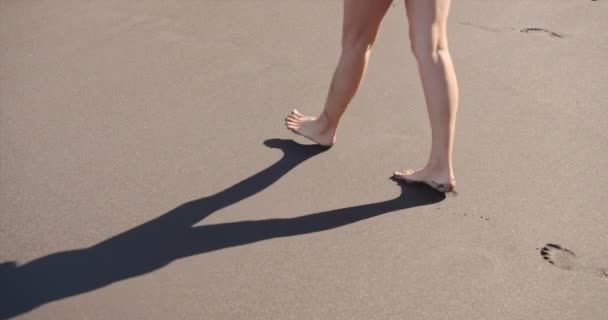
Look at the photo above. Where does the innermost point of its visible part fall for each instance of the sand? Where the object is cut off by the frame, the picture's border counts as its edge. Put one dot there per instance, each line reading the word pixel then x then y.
pixel 145 172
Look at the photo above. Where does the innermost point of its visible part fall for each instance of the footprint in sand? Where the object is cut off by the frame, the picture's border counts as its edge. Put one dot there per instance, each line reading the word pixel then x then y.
pixel 566 260
pixel 502 29
pixel 541 30
pixel 484 27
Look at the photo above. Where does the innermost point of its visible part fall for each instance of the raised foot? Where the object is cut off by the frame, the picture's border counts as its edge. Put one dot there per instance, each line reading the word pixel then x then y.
pixel 315 129
pixel 440 182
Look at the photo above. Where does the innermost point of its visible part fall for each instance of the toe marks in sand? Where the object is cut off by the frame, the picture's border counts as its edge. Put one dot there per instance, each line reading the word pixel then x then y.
pixel 558 256
pixel 566 259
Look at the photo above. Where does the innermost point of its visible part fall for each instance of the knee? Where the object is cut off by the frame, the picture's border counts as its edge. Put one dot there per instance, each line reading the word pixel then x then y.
pixel 428 46
pixel 358 40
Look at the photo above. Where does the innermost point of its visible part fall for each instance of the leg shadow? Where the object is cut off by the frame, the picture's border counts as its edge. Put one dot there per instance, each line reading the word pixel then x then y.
pixel 171 236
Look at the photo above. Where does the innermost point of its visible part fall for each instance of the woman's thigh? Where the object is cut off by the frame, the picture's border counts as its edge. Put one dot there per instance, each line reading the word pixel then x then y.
pixel 362 19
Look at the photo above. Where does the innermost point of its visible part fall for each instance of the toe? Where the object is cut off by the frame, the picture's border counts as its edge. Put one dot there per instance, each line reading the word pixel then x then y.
pixel 293 117
pixel 404 172
pixel 400 175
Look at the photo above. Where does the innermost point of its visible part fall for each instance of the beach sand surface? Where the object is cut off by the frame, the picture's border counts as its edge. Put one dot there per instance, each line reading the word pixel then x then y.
pixel 145 172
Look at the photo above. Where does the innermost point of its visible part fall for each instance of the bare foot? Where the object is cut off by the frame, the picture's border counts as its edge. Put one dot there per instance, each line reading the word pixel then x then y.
pixel 316 129
pixel 436 179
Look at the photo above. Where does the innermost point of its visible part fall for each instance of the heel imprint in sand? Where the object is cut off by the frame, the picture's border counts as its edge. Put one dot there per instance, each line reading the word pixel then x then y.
pixel 565 259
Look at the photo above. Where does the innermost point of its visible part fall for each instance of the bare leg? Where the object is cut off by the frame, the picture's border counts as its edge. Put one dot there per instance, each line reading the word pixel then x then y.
pixel 428 36
pixel 362 20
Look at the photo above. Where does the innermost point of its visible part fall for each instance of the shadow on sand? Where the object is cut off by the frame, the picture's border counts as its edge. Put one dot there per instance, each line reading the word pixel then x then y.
pixel 172 236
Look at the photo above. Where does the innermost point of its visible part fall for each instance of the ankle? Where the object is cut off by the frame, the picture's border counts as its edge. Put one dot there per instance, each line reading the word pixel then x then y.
pixel 439 166
pixel 325 122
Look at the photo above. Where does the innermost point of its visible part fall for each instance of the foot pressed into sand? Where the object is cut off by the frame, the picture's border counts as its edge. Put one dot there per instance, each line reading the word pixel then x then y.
pixel 440 180
pixel 317 130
